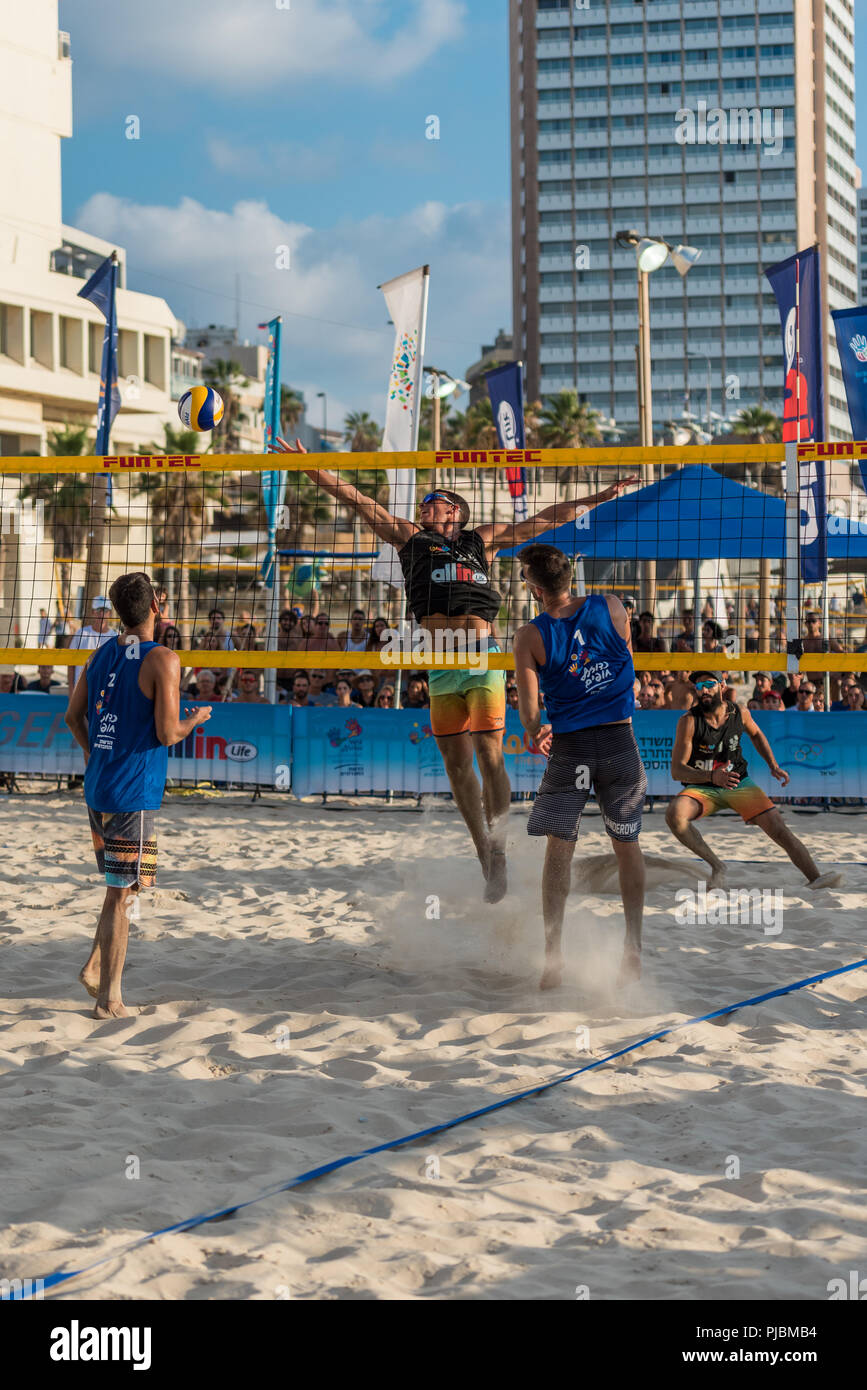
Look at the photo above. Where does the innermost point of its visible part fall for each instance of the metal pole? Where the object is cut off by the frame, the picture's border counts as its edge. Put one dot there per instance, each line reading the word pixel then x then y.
pixel 272 633
pixel 645 405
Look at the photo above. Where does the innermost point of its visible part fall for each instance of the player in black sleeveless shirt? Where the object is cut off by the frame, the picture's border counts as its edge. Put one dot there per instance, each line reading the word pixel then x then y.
pixel 447 570
pixel 707 758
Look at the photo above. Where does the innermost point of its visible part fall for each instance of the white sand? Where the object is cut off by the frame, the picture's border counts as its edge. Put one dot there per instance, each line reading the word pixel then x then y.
pixel 313 919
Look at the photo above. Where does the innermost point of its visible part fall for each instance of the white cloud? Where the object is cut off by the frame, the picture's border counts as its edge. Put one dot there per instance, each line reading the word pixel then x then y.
pixel 286 159
pixel 225 44
pixel 335 325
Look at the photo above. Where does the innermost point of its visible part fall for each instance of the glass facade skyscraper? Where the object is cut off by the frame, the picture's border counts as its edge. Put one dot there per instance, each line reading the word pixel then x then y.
pixel 728 125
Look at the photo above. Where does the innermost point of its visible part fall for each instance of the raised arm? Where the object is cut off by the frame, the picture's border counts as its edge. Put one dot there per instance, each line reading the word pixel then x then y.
pixel 503 534
pixel 395 530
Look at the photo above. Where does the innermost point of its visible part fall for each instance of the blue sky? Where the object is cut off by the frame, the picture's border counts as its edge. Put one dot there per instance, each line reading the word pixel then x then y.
pixel 304 126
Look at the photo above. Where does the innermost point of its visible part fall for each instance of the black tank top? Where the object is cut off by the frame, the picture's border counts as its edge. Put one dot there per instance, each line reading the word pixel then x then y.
pixel 448 576
pixel 712 748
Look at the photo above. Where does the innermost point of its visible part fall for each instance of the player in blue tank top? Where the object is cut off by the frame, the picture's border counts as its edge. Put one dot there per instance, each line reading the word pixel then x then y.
pixel 125 713
pixel 578 654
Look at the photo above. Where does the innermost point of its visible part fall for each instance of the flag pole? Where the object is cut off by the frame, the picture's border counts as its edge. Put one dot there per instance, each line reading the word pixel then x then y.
pixel 793 503
pixel 416 422
pixel 277 480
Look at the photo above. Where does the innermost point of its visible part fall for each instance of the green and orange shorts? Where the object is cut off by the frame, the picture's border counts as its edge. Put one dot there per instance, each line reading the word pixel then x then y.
pixel 747 798
pixel 467 701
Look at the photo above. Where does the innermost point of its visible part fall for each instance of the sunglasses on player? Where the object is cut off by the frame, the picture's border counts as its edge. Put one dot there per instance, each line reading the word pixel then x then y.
pixel 437 497
pixel 705 685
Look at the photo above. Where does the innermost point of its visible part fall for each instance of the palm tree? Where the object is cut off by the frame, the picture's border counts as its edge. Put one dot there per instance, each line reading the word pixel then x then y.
pixel 291 410
pixel 67 501
pixel 567 423
pixel 757 425
pixel 361 433
pixel 178 514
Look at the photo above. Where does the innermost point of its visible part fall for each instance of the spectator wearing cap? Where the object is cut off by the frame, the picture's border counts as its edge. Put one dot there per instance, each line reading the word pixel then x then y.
pixel 772 700
pixel 320 692
pixel 365 690
pixel 94 634
pixel 764 681
pixel 10 681
pixel 44 682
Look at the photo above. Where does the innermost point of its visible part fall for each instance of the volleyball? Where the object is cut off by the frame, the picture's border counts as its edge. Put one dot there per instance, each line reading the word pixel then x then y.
pixel 201 408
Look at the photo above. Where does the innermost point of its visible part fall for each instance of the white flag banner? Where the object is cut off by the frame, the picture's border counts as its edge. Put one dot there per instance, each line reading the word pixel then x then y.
pixel 406 299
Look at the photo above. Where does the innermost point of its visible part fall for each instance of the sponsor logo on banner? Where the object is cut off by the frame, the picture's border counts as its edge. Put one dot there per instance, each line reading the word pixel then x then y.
pixel 499 456
pixel 507 425
pixel 241 752
pixel 858 344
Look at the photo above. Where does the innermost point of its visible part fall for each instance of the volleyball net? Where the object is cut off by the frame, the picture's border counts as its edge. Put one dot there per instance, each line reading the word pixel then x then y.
pixel 717 550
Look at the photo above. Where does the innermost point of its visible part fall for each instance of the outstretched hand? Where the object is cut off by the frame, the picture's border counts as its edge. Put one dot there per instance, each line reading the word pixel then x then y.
pixel 608 494
pixel 282 446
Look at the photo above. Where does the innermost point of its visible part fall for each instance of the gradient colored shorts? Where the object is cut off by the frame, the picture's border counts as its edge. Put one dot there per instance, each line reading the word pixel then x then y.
pixel 746 798
pixel 467 702
pixel 125 845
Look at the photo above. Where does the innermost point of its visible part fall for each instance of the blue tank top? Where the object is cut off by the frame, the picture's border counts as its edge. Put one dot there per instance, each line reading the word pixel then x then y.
pixel 127 767
pixel 588 675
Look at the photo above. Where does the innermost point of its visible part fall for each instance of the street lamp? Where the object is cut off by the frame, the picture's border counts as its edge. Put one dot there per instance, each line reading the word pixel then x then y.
pixel 321 396
pixel 651 253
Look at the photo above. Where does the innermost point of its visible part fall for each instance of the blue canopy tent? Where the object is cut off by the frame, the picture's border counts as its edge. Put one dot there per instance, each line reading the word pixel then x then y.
pixel 693 514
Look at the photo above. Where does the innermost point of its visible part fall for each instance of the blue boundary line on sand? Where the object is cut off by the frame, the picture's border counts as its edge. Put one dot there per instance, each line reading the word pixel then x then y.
pixel 62 1276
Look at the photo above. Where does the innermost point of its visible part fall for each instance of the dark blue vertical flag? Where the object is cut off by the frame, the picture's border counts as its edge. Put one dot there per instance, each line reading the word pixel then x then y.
pixel 850 326
pixel 797 284
pixel 100 290
pixel 506 389
pixel 273 482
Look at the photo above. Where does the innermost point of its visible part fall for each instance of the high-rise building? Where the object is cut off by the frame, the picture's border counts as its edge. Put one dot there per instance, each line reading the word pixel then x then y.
pixel 727 125
pixel 862 245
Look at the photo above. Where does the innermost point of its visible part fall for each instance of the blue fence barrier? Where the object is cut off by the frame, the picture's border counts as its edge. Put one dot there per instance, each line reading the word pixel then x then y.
pixel 354 751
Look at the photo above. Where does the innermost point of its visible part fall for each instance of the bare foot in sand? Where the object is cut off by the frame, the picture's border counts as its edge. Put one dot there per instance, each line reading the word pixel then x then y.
pixel 496 882
pixel 552 975
pixel 112 1009
pixel 630 967
pixel 90 981
pixel 718 876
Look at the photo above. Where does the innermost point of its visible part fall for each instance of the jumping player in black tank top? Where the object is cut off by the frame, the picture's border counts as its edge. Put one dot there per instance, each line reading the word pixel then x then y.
pixel 707 758
pixel 447 572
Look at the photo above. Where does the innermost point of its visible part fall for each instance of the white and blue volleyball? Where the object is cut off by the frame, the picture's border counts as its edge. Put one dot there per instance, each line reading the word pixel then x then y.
pixel 201 408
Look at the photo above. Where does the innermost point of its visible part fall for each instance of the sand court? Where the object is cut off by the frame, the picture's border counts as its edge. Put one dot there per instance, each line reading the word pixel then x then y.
pixel 309 980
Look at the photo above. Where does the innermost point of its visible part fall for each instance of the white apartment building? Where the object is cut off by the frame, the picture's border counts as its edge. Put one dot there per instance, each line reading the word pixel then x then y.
pixel 50 340
pixel 596 89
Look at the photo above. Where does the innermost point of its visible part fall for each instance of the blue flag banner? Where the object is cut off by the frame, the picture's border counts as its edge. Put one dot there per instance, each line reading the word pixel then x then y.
pixel 506 390
pixel 850 325
pixel 100 290
pixel 797 284
pixel 273 483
